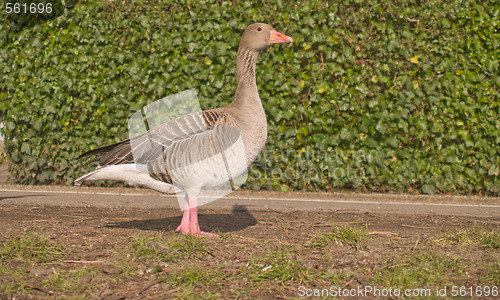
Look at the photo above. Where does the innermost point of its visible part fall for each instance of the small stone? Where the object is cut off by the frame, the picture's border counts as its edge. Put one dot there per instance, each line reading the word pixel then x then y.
pixel 141 269
pixel 85 279
pixel 41 272
pixel 154 270
pixel 154 245
pixel 111 270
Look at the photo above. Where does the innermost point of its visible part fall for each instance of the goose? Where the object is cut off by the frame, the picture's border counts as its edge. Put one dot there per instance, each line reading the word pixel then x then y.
pixel 201 149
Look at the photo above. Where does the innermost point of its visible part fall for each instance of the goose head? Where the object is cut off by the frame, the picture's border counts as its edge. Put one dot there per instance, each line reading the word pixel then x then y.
pixel 260 36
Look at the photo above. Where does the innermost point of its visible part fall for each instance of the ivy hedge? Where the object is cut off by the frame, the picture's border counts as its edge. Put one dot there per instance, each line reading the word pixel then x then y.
pixel 380 95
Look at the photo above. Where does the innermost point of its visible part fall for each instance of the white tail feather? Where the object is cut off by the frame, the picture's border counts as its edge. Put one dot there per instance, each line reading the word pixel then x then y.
pixel 129 173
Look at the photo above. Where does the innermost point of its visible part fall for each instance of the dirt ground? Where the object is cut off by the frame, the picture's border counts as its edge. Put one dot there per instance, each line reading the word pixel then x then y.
pixel 129 253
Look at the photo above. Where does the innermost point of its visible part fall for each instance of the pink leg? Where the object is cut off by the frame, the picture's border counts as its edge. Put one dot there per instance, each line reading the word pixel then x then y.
pixel 189 223
pixel 184 227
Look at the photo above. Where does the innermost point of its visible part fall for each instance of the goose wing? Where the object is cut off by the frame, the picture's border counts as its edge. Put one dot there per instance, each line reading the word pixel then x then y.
pixel 180 142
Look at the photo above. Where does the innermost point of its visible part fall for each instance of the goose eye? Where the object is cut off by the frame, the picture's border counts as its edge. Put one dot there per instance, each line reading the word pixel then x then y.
pixel 259 29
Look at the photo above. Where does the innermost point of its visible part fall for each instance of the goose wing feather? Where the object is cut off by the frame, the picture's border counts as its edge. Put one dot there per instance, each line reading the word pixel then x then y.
pixel 179 142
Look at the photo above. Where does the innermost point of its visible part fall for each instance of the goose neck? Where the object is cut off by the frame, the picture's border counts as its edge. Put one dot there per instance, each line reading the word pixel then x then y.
pixel 246 89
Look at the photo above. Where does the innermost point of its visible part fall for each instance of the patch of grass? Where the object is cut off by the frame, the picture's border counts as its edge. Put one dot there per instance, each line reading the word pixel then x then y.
pixel 335 277
pixel 14 286
pixel 57 281
pixel 30 247
pixel 3 267
pixel 196 276
pixel 68 280
pixel 280 264
pixel 488 238
pixel 492 272
pixel 12 282
pixel 194 282
pixel 167 250
pixel 192 293
pixel 418 269
pixel 354 236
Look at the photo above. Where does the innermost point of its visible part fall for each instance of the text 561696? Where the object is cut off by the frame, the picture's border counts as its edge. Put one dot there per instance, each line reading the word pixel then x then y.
pixel 28 8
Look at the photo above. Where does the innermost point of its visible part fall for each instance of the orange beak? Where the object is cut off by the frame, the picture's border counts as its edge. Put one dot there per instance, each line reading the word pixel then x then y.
pixel 277 37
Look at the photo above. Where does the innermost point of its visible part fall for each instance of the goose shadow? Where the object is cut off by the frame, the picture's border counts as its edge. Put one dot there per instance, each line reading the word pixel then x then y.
pixel 239 219
pixel 17 197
